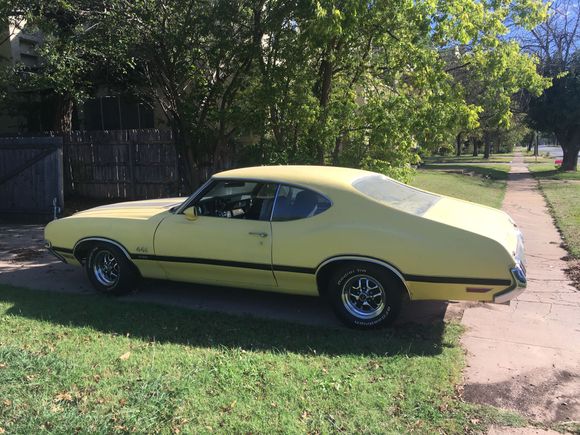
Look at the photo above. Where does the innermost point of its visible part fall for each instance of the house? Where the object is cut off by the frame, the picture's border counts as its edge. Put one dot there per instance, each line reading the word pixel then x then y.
pixel 33 112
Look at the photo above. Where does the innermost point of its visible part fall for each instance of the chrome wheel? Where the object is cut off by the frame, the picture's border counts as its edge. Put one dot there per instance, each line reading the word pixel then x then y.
pixel 363 296
pixel 106 268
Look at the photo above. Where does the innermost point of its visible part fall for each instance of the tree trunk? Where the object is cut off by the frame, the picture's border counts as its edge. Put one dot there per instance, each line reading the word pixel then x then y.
pixel 188 180
pixel 338 144
pixel 487 143
pixel 325 83
pixel 476 147
pixel 458 144
pixel 570 144
pixel 531 142
pixel 63 114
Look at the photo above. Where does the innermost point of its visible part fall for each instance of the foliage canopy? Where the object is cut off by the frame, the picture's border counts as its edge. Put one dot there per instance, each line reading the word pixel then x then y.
pixel 351 82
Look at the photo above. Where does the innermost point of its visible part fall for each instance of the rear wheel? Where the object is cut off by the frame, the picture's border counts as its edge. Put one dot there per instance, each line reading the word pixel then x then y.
pixel 365 296
pixel 109 270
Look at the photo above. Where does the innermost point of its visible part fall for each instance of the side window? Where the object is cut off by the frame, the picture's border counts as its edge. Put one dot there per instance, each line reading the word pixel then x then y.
pixel 296 203
pixel 238 199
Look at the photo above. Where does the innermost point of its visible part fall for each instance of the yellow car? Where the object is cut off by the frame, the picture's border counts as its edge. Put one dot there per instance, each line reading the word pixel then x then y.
pixel 357 238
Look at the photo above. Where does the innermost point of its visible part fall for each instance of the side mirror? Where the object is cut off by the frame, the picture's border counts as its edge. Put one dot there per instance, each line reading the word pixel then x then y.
pixel 190 213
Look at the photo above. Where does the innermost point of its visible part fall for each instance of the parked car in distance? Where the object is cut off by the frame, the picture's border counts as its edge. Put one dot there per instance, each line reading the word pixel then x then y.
pixel 359 239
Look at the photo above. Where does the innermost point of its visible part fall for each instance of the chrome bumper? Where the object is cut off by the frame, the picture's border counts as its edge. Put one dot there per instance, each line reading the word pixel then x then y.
pixel 516 289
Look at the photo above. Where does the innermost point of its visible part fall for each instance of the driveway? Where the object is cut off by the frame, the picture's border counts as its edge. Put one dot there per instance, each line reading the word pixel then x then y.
pixel 25 263
pixel 526 356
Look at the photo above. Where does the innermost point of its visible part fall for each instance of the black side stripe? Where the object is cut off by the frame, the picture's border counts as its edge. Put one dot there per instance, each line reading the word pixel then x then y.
pixel 210 261
pixel 241 264
pixel 312 271
pixel 307 270
pixel 457 280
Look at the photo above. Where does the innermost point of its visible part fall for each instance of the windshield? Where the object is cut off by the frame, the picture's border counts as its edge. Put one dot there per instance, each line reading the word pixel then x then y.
pixel 395 194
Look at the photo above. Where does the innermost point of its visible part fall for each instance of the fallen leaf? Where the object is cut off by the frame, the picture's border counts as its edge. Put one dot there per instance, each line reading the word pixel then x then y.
pixel 125 356
pixel 229 407
pixel 63 397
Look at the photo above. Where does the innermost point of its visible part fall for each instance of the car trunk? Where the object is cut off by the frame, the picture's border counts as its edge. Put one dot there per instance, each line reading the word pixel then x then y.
pixel 486 221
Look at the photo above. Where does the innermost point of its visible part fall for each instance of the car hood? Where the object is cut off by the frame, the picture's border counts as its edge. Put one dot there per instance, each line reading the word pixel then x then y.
pixel 132 209
pixel 485 221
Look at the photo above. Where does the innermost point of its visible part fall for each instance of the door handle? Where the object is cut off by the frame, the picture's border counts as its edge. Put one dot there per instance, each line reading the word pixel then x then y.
pixel 252 233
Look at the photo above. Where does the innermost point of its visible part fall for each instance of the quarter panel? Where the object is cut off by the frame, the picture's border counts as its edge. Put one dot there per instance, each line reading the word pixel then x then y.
pixel 135 235
pixel 412 244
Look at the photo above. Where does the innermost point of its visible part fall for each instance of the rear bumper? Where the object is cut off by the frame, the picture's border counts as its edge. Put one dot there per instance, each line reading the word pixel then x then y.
pixel 516 289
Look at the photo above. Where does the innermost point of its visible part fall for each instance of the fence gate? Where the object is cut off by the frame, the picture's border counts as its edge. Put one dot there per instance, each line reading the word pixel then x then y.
pixel 31 179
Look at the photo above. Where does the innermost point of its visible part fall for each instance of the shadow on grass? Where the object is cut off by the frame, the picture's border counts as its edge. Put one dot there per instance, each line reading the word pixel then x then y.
pixel 556 174
pixel 166 324
pixel 485 171
pixel 494 158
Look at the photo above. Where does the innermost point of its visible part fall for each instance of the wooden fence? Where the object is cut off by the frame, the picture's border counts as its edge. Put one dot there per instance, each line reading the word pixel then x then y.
pixel 31 182
pixel 123 164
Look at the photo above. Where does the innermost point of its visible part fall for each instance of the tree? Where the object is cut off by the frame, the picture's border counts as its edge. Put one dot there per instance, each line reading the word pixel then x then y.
pixel 354 83
pixel 75 53
pixel 383 78
pixel 556 42
pixel 195 59
pixel 558 110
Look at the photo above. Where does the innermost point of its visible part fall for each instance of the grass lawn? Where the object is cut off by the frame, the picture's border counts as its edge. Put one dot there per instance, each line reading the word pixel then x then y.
pixel 494 158
pixel 482 184
pixel 562 190
pixel 86 363
pixel 540 160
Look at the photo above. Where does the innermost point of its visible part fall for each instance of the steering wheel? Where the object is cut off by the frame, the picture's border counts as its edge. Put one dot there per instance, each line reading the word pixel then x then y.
pixel 220 207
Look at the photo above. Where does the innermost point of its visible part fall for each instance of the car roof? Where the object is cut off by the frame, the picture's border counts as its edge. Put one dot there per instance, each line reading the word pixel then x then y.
pixel 331 176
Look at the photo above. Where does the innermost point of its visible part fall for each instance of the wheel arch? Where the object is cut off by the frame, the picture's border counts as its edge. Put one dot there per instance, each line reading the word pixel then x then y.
pixel 325 269
pixel 81 248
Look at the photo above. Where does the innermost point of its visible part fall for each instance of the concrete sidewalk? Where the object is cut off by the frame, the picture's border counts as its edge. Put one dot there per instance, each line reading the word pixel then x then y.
pixel 526 356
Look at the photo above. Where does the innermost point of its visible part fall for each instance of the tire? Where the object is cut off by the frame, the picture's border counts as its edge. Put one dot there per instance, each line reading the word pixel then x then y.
pixel 110 271
pixel 365 296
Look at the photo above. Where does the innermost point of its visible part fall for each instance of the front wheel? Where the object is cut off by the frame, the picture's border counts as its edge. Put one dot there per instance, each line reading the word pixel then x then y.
pixel 109 270
pixel 365 296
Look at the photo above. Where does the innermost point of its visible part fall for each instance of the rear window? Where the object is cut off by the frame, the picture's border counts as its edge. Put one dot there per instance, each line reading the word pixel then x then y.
pixel 395 194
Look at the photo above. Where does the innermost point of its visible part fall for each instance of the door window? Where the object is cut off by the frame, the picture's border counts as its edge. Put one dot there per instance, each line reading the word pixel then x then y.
pixel 297 203
pixel 238 199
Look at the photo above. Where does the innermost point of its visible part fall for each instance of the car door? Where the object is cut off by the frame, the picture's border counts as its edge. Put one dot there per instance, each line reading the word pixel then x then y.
pixel 227 242
pixel 300 238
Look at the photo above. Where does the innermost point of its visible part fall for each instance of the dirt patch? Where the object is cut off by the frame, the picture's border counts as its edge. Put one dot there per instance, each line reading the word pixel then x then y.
pixel 573 272
pixel 23 255
pixel 527 394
